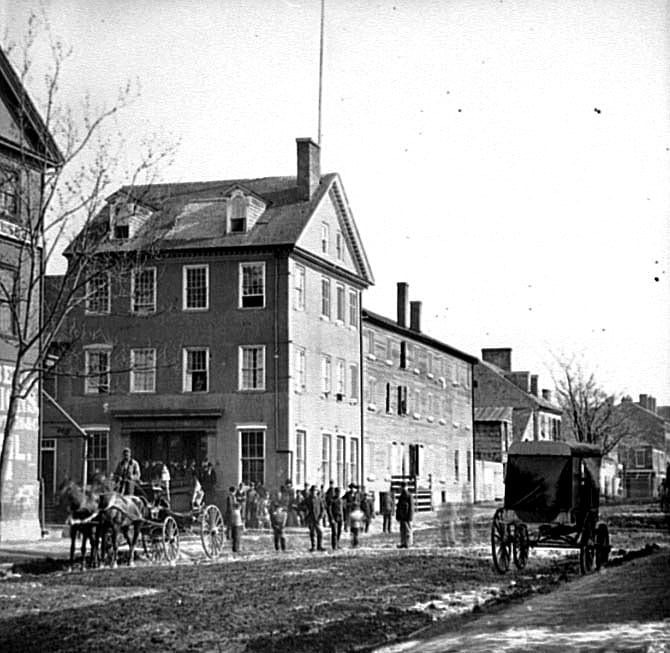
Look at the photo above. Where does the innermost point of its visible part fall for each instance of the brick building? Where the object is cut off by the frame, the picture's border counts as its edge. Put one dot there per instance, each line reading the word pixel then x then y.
pixel 237 340
pixel 645 450
pixel 27 151
pixel 508 408
pixel 418 408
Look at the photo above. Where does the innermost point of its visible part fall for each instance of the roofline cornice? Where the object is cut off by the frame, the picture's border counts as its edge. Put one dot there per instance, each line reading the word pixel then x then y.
pixel 390 325
pixel 327 267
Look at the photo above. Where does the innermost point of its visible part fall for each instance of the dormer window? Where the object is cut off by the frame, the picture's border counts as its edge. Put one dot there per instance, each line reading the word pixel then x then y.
pixel 238 213
pixel 126 219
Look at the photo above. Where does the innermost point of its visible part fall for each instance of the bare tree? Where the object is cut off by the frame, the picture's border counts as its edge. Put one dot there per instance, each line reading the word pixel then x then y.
pixel 58 194
pixel 589 412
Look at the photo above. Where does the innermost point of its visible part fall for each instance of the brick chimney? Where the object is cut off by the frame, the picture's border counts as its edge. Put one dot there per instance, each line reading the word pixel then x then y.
pixel 652 404
pixel 403 291
pixel 309 168
pixel 534 385
pixel 546 395
pixel 415 316
pixel 520 380
pixel 644 401
pixel 501 357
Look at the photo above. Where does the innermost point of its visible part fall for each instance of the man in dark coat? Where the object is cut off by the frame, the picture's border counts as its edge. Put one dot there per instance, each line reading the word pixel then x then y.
pixel 127 473
pixel 314 509
pixel 231 500
pixel 367 508
pixel 335 518
pixel 278 519
pixel 404 513
pixel 208 482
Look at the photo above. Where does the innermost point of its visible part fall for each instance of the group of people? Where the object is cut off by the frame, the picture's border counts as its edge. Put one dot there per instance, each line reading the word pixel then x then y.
pixel 253 507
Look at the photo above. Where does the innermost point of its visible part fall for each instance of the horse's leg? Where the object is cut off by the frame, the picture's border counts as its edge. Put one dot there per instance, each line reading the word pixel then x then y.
pixel 73 539
pixel 84 538
pixel 132 543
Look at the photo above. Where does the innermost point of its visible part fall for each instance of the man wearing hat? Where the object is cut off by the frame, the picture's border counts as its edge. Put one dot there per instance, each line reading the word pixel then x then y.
pixel 127 473
pixel 404 513
pixel 314 510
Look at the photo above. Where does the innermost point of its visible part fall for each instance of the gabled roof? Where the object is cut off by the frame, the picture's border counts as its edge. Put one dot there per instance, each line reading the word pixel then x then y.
pixel 191 216
pixel 39 142
pixel 540 402
pixel 417 336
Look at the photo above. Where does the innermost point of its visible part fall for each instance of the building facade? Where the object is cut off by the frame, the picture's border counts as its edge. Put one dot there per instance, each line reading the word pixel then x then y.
pixel 236 340
pixel 508 408
pixel 644 452
pixel 27 151
pixel 418 408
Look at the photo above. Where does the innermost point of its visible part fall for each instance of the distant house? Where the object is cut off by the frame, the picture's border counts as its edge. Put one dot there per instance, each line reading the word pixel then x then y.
pixel 27 152
pixel 418 408
pixel 645 450
pixel 508 408
pixel 237 342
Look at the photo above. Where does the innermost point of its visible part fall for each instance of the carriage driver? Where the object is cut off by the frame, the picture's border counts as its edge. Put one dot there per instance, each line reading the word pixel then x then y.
pixel 127 473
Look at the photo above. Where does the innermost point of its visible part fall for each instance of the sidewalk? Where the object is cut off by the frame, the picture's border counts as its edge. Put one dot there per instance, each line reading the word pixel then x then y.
pixel 622 608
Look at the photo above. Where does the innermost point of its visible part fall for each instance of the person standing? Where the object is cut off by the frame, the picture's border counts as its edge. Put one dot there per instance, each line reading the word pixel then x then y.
pixel 314 508
pixel 237 526
pixel 404 513
pixel 387 510
pixel 127 473
pixel 356 518
pixel 241 498
pixel 367 508
pixel 228 512
pixel 208 482
pixel 335 518
pixel 278 519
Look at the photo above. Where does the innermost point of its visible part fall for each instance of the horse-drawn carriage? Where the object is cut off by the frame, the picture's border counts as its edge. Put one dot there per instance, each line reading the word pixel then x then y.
pixel 551 500
pixel 160 529
pixel 102 515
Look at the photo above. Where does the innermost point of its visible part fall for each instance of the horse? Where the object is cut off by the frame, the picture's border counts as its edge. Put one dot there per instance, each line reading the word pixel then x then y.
pixel 82 506
pixel 125 514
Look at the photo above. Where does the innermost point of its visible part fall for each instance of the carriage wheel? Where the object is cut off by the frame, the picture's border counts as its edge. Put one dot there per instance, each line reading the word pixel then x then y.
pixel 500 543
pixel 152 545
pixel 170 539
pixel 602 545
pixel 586 551
pixel 212 531
pixel 520 546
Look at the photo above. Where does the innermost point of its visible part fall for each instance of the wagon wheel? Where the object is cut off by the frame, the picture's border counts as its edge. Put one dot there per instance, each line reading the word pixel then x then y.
pixel 500 542
pixel 520 546
pixel 602 545
pixel 170 539
pixel 152 545
pixel 212 531
pixel 586 550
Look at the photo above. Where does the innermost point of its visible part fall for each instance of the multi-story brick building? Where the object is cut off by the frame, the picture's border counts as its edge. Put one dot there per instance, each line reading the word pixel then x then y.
pixel 508 408
pixel 644 451
pixel 418 407
pixel 236 340
pixel 27 151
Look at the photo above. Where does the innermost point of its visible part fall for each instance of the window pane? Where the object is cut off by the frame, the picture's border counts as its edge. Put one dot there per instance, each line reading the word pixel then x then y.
pixel 353 311
pixel 253 285
pixel 143 370
pixel 253 368
pixel 325 297
pixel 97 294
pixel 144 291
pixel 196 374
pixel 6 292
pixel 196 287
pixel 97 372
pixel 300 287
pixel 340 303
pixel 252 459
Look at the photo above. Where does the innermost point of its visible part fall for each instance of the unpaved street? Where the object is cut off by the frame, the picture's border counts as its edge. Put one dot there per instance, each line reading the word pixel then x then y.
pixel 298 601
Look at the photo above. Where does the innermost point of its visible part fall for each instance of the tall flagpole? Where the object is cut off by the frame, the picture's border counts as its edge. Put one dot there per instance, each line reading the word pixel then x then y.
pixel 323 7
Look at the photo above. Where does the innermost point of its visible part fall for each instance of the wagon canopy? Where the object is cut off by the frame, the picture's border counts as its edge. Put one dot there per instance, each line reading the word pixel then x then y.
pixel 545 478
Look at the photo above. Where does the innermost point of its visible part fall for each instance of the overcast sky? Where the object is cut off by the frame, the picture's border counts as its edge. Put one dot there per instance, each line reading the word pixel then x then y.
pixel 510 160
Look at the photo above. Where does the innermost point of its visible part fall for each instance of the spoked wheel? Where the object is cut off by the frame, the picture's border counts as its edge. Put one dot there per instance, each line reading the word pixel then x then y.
pixel 587 551
pixel 212 531
pixel 602 545
pixel 170 539
pixel 500 542
pixel 520 546
pixel 153 546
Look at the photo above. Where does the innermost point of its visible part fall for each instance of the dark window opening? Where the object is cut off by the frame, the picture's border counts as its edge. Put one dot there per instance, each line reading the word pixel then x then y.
pixel 402 400
pixel 388 397
pixel 121 231
pixel 403 355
